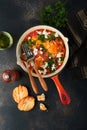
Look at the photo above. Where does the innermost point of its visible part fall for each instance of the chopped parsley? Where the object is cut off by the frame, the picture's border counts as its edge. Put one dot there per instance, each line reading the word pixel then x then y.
pixel 51 62
pixel 62 58
pixel 41 37
pixel 42 46
pixel 51 37
pixel 29 42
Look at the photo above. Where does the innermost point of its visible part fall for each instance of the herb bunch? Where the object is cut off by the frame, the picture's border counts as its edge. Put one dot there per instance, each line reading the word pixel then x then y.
pixel 55 15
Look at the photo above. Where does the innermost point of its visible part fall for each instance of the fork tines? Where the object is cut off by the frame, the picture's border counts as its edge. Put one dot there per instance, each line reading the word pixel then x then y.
pixel 27 52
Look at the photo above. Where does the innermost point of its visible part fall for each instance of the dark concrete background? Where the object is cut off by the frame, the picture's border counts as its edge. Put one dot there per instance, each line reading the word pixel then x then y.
pixel 16 16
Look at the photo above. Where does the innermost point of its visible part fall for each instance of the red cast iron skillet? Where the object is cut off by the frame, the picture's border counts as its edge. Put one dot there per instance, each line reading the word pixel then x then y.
pixel 64 96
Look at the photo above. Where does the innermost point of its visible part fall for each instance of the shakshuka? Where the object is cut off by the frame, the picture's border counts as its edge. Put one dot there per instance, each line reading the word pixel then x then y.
pixel 48 49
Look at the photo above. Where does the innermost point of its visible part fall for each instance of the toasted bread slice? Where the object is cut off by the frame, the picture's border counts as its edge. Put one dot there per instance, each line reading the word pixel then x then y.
pixel 19 93
pixel 26 104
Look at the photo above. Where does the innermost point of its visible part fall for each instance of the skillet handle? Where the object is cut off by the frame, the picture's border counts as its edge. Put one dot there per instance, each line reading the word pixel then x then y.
pixel 64 97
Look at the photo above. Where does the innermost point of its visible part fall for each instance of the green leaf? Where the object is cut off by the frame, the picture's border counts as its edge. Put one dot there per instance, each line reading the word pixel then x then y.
pixel 48 9
pixel 41 37
pixel 51 37
pixel 29 42
pixel 55 15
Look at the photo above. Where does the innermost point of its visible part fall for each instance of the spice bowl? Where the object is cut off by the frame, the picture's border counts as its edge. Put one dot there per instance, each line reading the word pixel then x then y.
pixel 6 40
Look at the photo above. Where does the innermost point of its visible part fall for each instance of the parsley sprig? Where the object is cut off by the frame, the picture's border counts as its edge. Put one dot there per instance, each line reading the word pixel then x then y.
pixel 43 39
pixel 54 15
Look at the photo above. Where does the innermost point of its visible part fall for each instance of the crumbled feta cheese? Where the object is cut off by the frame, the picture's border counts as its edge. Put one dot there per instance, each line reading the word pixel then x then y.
pixel 45 71
pixel 45 65
pixel 41 48
pixel 59 61
pixel 49 57
pixel 35 51
pixel 41 52
pixel 58 55
pixel 29 38
pixel 53 67
pixel 59 58
pixel 45 33
pixel 56 34
pixel 39 32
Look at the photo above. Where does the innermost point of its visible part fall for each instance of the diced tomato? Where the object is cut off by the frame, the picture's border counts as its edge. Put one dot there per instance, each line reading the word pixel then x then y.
pixel 56 41
pixel 33 33
pixel 58 66
pixel 40 30
pixel 36 56
pixel 26 38
pixel 45 56
pixel 48 71
pixel 60 48
pixel 30 35
pixel 39 61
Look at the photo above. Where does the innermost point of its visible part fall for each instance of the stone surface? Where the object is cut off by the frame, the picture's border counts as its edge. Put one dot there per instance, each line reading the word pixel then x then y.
pixel 16 16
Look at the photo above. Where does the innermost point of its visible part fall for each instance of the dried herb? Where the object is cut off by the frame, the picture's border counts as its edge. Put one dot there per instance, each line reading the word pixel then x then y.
pixel 55 15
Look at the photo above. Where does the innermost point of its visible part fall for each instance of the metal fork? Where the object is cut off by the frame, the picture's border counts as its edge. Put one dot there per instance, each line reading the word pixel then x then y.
pixel 30 57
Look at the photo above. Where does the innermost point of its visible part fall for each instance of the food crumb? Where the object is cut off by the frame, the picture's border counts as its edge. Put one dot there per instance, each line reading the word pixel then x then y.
pixel 41 97
pixel 43 107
